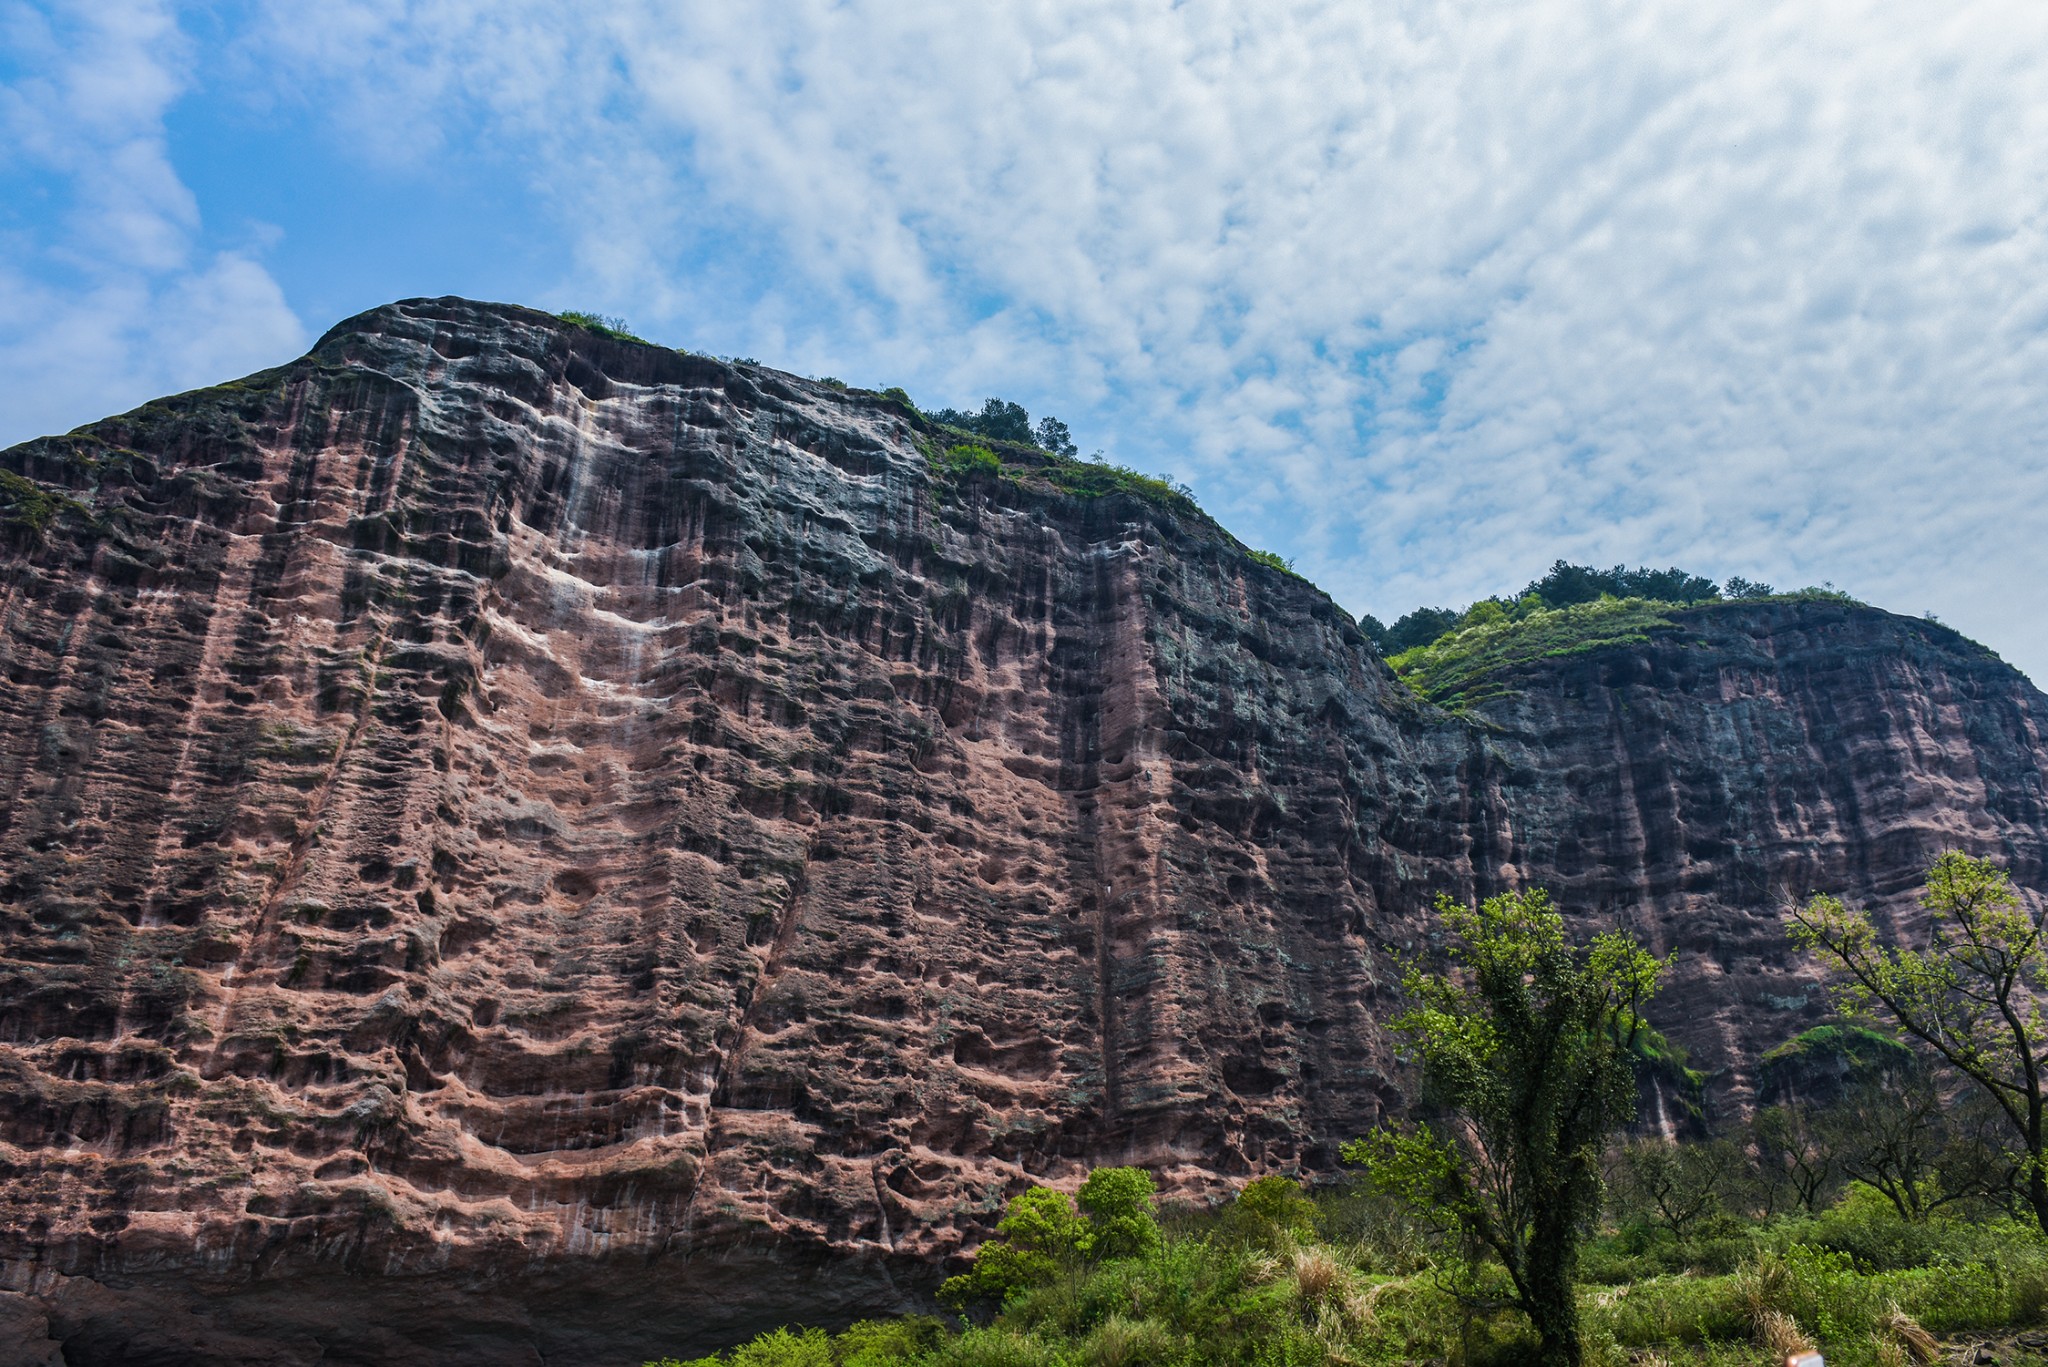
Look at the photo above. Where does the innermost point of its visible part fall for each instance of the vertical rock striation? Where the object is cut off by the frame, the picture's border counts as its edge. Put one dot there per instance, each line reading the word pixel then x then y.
pixel 520 846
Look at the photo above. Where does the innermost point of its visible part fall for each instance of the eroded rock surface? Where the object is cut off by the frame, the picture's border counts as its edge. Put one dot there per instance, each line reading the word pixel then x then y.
pixel 517 846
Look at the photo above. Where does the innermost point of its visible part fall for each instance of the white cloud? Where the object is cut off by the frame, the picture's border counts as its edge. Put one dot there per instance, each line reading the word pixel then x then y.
pixel 1423 293
pixel 111 302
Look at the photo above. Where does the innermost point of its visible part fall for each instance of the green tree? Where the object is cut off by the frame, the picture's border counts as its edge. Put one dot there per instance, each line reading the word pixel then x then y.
pixel 1042 1236
pixel 1526 1048
pixel 1972 996
pixel 1118 1203
pixel 1039 1236
pixel 1054 436
pixel 1679 1186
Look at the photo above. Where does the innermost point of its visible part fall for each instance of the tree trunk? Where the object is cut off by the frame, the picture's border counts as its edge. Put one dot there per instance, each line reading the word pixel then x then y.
pixel 2037 1193
pixel 1552 1306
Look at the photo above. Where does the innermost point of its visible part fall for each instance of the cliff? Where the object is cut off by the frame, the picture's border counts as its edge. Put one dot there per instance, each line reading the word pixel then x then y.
pixel 522 846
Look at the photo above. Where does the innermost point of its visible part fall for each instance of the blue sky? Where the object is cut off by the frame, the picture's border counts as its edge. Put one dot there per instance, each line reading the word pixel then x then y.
pixel 1422 294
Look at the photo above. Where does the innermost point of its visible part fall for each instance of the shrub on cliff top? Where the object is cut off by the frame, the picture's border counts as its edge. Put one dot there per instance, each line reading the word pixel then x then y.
pixel 603 324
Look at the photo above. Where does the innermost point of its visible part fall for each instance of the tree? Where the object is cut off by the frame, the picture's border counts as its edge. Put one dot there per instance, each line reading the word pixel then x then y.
pixel 1679 1186
pixel 1891 1133
pixel 1276 1207
pixel 1972 997
pixel 1417 628
pixel 1567 584
pixel 1039 1236
pixel 1053 436
pixel 1526 1047
pixel 1118 1203
pixel 1042 1235
pixel 1794 1156
pixel 1745 590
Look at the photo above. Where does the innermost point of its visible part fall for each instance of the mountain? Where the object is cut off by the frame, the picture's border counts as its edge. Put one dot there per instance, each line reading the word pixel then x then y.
pixel 521 845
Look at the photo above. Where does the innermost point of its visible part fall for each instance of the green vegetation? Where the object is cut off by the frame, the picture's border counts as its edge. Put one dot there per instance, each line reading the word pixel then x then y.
pixel 1526 1050
pixel 1281 1277
pixel 1095 479
pixel 27 505
pixel 969 458
pixel 1463 666
pixel 1971 998
pixel 1566 585
pixel 1468 660
pixel 1870 1214
pixel 1272 560
pixel 602 324
pixel 1001 420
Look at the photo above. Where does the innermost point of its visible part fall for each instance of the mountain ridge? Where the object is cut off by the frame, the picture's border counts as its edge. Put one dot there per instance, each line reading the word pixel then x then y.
pixel 632 846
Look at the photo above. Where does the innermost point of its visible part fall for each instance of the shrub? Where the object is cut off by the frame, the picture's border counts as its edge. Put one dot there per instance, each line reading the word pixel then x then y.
pixel 888 1343
pixel 972 458
pixel 999 1347
pixel 1273 1209
pixel 603 324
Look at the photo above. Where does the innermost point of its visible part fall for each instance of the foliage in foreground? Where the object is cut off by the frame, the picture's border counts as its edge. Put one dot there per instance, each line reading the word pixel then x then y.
pixel 1527 1049
pixel 1972 998
pixel 1866 1211
pixel 1342 1279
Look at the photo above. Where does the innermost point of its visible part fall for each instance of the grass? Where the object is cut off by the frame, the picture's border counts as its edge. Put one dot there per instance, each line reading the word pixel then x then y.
pixel 1473 663
pixel 1464 667
pixel 1348 1288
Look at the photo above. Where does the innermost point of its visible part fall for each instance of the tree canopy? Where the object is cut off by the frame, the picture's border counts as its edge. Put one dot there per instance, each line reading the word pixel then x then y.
pixel 1563 585
pixel 1526 1047
pixel 1972 997
pixel 1001 420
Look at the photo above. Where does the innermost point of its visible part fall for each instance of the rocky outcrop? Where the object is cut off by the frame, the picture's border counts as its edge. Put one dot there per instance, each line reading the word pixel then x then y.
pixel 522 846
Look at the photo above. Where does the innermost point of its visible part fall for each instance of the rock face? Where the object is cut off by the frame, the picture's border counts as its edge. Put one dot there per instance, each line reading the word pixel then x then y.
pixel 519 846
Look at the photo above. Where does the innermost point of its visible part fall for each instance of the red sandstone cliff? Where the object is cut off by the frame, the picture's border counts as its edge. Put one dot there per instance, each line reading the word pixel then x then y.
pixel 518 846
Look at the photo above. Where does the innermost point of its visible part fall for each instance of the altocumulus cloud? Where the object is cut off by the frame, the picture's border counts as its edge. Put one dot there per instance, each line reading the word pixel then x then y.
pixel 1423 294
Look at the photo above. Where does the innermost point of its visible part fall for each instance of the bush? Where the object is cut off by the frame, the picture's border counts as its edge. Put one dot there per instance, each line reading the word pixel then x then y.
pixel 1272 560
pixel 602 324
pixel 887 1343
pixel 1272 1211
pixel 972 458
pixel 1310 1290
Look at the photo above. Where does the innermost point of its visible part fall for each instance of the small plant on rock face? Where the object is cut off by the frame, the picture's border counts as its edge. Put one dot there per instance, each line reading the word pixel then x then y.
pixel 601 323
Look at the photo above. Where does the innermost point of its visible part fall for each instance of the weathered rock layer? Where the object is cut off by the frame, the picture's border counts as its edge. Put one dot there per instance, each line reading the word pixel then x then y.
pixel 518 846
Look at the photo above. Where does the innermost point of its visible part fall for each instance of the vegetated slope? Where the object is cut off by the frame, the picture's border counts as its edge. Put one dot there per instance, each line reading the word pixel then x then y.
pixel 515 841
